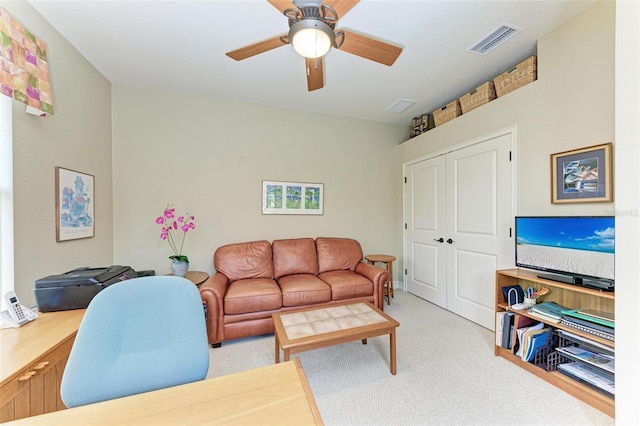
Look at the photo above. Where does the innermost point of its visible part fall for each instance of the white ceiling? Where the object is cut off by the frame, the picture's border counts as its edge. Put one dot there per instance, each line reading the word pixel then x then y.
pixel 180 46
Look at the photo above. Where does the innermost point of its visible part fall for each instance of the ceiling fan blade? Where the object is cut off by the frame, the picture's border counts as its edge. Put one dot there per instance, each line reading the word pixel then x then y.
pixel 369 48
pixel 341 6
pixel 282 5
pixel 315 73
pixel 256 48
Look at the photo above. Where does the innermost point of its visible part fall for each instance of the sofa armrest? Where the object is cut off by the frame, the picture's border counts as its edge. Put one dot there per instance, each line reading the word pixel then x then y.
pixel 378 276
pixel 212 292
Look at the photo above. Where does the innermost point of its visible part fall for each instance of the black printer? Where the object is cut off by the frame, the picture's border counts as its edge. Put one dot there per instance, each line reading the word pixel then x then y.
pixel 76 288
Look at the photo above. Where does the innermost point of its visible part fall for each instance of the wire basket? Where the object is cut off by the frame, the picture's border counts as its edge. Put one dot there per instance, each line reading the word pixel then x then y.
pixel 547 357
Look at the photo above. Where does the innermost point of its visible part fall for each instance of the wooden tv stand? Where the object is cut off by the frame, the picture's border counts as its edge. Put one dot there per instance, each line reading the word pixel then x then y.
pixel 572 297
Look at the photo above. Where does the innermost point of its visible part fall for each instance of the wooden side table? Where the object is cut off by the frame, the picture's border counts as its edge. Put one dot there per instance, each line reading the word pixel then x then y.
pixel 196 277
pixel 388 261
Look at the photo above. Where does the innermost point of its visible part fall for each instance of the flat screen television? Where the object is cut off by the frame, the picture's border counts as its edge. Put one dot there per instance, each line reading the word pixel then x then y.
pixel 572 249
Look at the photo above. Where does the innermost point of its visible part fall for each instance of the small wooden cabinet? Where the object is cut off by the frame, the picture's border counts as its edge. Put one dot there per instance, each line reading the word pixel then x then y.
pixel 572 297
pixel 33 360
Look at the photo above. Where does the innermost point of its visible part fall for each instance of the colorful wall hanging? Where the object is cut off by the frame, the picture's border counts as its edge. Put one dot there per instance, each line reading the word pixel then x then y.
pixel 24 67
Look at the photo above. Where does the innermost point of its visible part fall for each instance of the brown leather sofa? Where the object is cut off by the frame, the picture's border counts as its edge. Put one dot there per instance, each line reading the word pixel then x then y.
pixel 253 280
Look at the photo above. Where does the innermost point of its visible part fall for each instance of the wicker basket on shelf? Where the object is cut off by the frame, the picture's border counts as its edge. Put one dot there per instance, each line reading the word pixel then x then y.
pixel 520 75
pixel 447 113
pixel 478 97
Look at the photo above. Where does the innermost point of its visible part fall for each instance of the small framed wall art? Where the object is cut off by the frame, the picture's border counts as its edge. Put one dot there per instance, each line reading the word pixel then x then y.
pixel 75 203
pixel 582 175
pixel 292 198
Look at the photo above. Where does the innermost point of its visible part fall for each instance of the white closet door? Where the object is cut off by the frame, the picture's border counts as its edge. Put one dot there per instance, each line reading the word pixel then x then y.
pixel 425 221
pixel 479 216
pixel 459 210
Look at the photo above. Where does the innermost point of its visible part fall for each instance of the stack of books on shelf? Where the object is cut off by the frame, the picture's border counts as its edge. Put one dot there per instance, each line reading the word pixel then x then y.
pixel 548 311
pixel 590 321
pixel 504 329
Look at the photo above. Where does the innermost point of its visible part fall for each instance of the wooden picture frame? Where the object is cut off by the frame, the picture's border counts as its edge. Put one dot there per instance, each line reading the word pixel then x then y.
pixel 292 198
pixel 582 175
pixel 75 204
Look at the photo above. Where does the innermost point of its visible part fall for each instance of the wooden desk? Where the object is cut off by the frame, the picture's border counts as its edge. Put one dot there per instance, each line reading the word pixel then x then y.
pixel 33 359
pixel 278 394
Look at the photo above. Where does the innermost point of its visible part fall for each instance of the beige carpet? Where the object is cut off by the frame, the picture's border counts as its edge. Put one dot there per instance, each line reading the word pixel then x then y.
pixel 447 375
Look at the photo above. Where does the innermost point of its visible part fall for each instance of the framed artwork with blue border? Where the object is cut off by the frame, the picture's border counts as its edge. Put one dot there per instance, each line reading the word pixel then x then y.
pixel 75 202
pixel 582 175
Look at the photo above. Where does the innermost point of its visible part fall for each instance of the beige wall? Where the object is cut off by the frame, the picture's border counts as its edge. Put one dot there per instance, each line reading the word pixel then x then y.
pixel 571 105
pixel 209 157
pixel 77 137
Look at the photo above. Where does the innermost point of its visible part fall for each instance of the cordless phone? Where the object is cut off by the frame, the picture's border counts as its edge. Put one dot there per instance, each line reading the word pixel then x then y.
pixel 17 313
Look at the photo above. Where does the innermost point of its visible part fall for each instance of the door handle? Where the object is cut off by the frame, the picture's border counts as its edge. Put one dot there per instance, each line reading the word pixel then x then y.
pixel 450 241
pixel 439 240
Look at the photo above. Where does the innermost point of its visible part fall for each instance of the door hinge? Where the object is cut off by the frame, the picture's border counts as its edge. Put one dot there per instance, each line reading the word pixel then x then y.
pixel 405 271
pixel 509 155
pixel 509 232
pixel 405 226
pixel 405 179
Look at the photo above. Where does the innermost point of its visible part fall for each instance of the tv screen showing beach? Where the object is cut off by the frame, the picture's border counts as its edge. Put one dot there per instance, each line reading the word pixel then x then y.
pixel 575 245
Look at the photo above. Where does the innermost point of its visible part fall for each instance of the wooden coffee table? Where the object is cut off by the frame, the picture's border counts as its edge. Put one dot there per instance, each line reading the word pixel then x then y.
pixel 315 328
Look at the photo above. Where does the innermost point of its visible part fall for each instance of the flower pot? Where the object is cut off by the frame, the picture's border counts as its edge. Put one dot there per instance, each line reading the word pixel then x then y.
pixel 179 267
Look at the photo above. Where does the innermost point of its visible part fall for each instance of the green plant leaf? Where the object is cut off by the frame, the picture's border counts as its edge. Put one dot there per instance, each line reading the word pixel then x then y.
pixel 179 258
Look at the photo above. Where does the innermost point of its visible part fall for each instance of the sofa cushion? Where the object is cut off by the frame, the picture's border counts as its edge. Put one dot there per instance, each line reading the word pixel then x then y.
pixel 303 289
pixel 347 284
pixel 244 260
pixel 338 253
pixel 252 295
pixel 297 256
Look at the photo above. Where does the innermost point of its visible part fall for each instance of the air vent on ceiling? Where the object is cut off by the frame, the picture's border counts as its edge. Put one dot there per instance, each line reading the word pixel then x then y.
pixel 498 36
pixel 401 105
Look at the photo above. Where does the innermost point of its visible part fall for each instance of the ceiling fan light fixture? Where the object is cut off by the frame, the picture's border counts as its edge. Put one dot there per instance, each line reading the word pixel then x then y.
pixel 311 38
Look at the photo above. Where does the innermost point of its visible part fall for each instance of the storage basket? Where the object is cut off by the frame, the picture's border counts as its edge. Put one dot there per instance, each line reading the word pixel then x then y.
pixel 547 357
pixel 478 97
pixel 520 75
pixel 447 113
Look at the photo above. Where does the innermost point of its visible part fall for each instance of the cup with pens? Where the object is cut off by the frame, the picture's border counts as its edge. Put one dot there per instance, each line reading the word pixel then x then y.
pixel 531 295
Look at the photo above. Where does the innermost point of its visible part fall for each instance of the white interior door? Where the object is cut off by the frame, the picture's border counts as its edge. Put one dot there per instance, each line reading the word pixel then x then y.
pixel 479 217
pixel 459 212
pixel 425 222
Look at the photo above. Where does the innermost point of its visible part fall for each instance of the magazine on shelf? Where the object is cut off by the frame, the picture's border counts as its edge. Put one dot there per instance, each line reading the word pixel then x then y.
pixel 589 374
pixel 592 316
pixel 521 339
pixel 605 335
pixel 535 341
pixel 599 360
pixel 544 317
pixel 590 324
pixel 598 314
pixel 583 340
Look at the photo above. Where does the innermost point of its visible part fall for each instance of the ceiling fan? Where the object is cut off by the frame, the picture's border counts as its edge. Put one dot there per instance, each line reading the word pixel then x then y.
pixel 312 33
